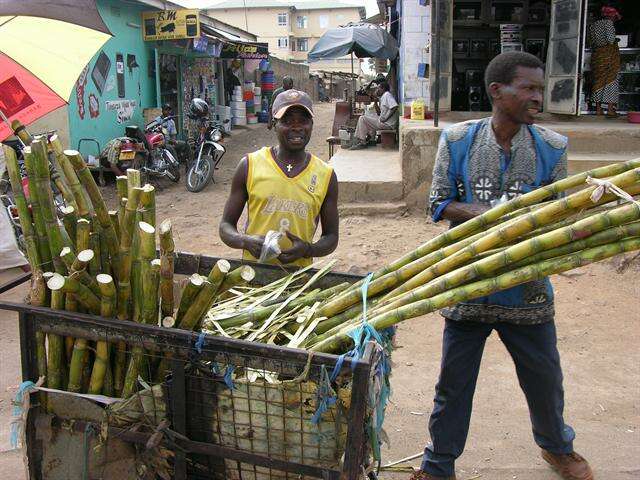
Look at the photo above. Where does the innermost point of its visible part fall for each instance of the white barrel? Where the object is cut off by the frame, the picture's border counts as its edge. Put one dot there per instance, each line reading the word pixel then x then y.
pixel 238 105
pixel 239 120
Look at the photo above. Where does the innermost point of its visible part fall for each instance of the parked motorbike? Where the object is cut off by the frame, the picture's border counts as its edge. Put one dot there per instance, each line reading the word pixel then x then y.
pixel 147 151
pixel 208 154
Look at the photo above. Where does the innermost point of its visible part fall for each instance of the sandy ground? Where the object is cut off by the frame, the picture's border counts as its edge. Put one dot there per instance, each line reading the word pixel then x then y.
pixel 598 324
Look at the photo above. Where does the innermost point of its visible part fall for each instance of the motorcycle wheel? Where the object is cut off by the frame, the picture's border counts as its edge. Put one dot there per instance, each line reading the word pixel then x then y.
pixel 196 181
pixel 173 167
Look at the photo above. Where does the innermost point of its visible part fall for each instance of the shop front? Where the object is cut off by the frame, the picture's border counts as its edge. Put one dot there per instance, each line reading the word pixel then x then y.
pixel 472 32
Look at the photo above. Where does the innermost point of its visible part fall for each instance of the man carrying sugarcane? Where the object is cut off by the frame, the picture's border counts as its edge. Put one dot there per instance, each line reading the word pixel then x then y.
pixel 286 189
pixel 480 163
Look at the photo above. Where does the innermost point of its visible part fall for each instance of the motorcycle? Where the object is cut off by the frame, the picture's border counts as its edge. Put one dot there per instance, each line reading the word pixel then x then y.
pixel 147 151
pixel 208 154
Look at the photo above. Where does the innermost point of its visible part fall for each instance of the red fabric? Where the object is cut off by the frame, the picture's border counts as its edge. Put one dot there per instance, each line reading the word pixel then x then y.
pixel 611 12
pixel 23 96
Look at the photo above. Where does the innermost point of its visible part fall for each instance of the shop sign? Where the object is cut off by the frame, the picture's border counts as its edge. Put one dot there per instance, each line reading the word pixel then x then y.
pixel 245 50
pixel 170 24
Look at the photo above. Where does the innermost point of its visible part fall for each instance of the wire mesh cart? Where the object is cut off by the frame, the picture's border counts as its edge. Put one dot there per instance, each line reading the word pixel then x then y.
pixel 222 409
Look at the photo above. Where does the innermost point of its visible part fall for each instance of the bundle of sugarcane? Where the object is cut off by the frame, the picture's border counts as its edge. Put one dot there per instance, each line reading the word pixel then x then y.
pixel 525 239
pixel 102 262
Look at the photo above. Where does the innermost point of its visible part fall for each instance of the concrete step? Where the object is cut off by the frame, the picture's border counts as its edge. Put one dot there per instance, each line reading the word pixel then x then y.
pixel 601 138
pixel 370 175
pixel 580 162
pixel 372 208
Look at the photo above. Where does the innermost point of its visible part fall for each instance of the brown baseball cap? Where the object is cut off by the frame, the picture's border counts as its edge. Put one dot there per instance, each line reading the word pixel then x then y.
pixel 291 98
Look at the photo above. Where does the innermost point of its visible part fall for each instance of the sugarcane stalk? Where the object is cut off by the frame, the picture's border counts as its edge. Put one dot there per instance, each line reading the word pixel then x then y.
pixel 38 298
pixel 199 306
pixel 147 205
pixel 102 213
pixel 105 259
pixel 240 276
pixel 61 184
pixel 484 287
pixel 56 368
pixel 83 233
pixel 21 132
pixel 149 275
pixel 189 293
pixel 70 220
pixel 39 223
pixel 113 214
pixel 122 192
pixel 78 265
pixel 525 224
pixel 487 266
pixel 167 249
pixel 94 244
pixel 82 202
pixel 90 301
pixel 107 309
pixel 24 214
pixel 489 217
pixel 119 367
pixel 126 238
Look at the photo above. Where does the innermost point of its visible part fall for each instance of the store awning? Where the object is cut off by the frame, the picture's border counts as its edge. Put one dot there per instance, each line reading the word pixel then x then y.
pixel 233 47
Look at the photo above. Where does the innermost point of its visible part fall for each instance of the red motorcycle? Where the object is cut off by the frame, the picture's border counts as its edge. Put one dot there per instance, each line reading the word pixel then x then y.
pixel 146 151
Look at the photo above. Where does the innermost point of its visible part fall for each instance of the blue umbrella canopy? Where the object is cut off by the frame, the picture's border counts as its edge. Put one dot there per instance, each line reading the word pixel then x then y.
pixel 361 39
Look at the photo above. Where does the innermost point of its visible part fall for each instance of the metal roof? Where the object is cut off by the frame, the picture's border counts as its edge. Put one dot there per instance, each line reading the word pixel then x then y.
pixel 308 5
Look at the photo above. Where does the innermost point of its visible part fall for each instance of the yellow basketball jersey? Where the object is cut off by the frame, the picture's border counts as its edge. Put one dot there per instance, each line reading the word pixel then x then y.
pixel 277 202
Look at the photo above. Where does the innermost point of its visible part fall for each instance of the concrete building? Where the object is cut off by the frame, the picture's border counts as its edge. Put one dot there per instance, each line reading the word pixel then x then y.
pixel 291 28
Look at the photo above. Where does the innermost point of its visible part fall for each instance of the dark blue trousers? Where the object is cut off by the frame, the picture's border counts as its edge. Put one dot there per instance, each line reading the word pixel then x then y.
pixel 535 354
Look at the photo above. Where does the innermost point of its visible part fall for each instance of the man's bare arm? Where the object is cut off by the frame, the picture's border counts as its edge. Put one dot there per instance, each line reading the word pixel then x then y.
pixel 458 212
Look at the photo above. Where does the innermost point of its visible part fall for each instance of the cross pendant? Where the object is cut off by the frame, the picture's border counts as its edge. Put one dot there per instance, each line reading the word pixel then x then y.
pixel 289 168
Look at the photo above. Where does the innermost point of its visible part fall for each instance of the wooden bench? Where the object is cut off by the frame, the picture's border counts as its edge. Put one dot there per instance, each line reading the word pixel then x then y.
pixel 341 118
pixel 388 138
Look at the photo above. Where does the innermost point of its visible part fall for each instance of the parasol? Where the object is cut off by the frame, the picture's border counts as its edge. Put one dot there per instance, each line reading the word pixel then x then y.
pixel 44 46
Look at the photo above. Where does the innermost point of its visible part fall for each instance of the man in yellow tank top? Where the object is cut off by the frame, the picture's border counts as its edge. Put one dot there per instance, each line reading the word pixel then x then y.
pixel 285 189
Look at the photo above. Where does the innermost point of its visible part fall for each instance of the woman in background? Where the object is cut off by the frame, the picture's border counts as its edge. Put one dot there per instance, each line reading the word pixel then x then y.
pixel 605 61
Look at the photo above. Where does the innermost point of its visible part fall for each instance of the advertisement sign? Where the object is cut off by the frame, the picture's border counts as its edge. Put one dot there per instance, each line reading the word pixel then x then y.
pixel 245 50
pixel 170 24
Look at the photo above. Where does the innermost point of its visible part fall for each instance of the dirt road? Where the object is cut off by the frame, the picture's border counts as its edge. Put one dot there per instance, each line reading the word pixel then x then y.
pixel 598 319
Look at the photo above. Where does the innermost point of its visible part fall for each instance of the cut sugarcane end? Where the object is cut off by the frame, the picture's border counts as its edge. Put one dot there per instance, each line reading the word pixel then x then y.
pixel 83 220
pixel 85 256
pixel 223 265
pixel 197 279
pixel 147 228
pixel 56 282
pixel 71 153
pixel 165 227
pixel 113 213
pixel 65 251
pixel 168 322
pixel 247 273
pixel 104 278
pixel 148 187
pixel 68 210
pixel 155 262
pixel 47 275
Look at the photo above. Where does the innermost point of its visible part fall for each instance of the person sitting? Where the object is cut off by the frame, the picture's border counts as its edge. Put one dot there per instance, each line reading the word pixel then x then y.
pixel 385 119
pixel 167 119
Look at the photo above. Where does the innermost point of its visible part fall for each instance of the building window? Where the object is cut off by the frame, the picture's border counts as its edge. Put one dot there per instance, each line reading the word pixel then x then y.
pixel 293 46
pixel 282 19
pixel 283 42
pixel 303 44
pixel 302 21
pixel 324 21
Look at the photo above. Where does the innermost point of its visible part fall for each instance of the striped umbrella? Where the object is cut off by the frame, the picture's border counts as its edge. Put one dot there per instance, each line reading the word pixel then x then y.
pixel 44 47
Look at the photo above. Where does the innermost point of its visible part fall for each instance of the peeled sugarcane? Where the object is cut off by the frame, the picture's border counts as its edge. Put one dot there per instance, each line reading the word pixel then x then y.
pixel 167 248
pixel 484 221
pixel 30 239
pixel 149 275
pixel 102 214
pixel 482 288
pixel 487 266
pixel 108 310
pixel 82 202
